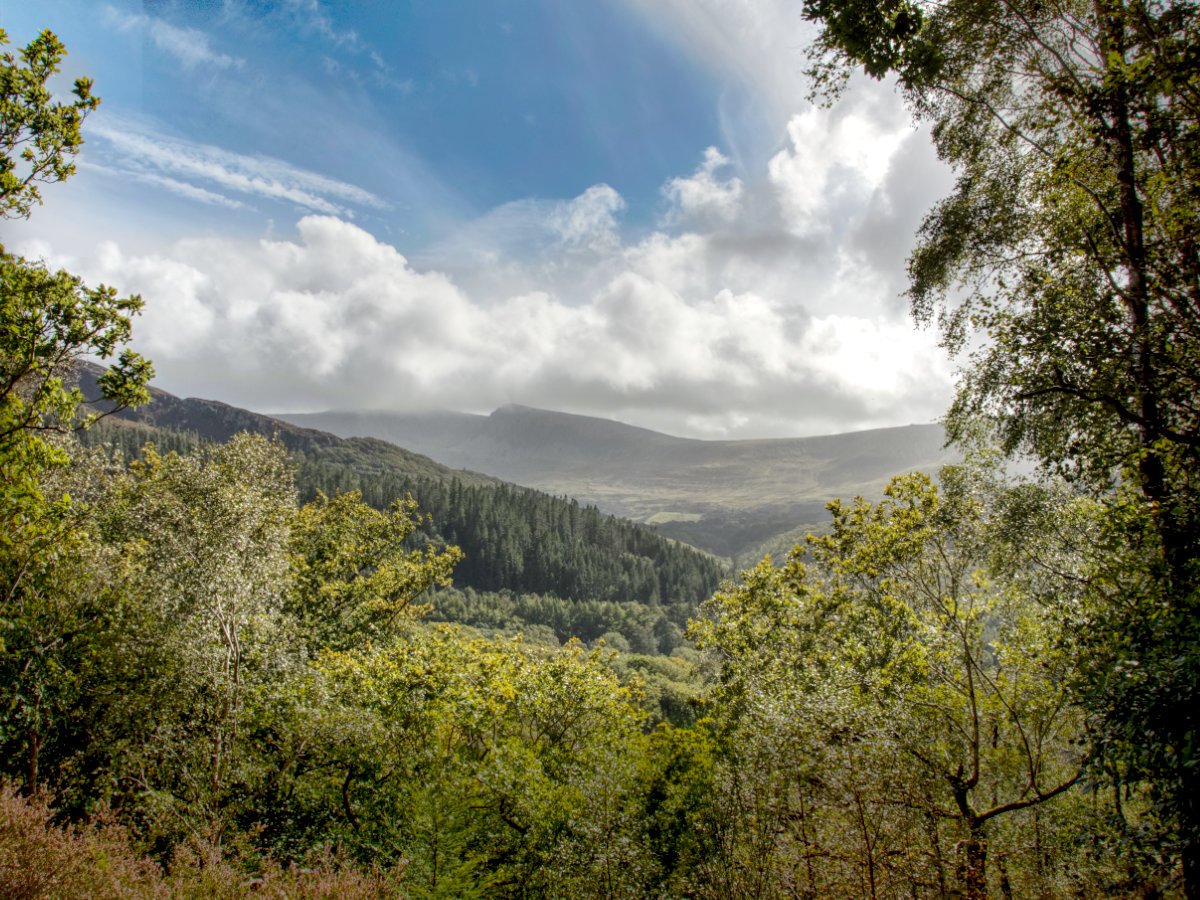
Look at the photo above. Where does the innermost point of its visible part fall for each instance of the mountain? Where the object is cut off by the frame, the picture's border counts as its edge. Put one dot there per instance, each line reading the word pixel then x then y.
pixel 729 497
pixel 515 539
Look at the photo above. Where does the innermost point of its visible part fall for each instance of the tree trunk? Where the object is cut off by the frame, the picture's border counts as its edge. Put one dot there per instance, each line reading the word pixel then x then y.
pixel 1005 885
pixel 1173 522
pixel 975 868
pixel 31 763
pixel 935 846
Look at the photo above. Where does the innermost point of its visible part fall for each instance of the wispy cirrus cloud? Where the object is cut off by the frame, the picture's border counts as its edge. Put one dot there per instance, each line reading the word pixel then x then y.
pixel 756 48
pixel 310 16
pixel 174 185
pixel 189 46
pixel 176 164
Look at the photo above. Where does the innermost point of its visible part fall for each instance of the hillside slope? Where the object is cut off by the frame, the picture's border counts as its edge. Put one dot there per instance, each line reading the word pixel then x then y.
pixel 515 538
pixel 729 497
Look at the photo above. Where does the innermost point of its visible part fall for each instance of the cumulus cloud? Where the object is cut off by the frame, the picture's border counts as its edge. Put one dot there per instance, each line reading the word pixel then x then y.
pixel 763 302
pixel 832 154
pixel 337 318
pixel 589 221
pixel 705 196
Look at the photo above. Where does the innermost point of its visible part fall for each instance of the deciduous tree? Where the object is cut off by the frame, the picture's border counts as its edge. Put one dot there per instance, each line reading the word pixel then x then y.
pixel 38 137
pixel 1070 241
pixel 48 320
pixel 907 689
pixel 354 579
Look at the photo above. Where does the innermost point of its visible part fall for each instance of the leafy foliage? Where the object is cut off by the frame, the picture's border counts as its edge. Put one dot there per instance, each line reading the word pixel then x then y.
pixel 904 698
pixel 38 137
pixel 1069 242
pixel 353 579
pixel 54 580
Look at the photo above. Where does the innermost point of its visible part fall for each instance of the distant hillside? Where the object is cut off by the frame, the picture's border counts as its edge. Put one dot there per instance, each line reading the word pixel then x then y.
pixel 729 497
pixel 216 422
pixel 515 538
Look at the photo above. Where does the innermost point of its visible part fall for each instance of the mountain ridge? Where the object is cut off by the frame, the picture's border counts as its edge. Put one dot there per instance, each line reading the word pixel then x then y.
pixel 732 498
pixel 515 539
pixel 726 496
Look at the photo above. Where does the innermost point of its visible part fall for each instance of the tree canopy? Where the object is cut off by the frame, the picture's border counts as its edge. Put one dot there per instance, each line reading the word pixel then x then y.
pixel 50 319
pixel 38 137
pixel 1070 243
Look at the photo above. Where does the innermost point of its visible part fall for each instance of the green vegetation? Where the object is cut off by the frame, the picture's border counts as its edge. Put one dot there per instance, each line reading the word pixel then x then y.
pixel 1070 242
pixel 526 541
pixel 40 137
pixel 929 680
pixel 529 559
pixel 730 498
pixel 215 682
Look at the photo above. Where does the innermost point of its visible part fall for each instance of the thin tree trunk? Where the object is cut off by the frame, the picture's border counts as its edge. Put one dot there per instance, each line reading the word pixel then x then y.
pixel 935 843
pixel 1005 885
pixel 975 870
pixel 31 763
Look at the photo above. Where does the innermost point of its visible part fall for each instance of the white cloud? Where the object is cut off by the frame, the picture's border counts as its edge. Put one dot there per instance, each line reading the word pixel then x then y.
pixel 336 318
pixel 589 221
pixel 167 330
pixel 704 196
pixel 181 188
pixel 860 356
pixel 832 154
pixel 163 160
pixel 765 303
pixel 189 46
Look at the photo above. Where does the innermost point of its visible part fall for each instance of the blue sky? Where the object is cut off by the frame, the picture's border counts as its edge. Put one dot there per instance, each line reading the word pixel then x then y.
pixel 440 110
pixel 618 207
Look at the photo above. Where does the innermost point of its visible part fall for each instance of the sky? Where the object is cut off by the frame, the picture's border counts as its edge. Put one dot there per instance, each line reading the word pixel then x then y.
pixel 621 208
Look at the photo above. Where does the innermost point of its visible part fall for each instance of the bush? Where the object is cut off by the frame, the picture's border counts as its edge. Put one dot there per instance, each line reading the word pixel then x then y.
pixel 38 859
pixel 97 861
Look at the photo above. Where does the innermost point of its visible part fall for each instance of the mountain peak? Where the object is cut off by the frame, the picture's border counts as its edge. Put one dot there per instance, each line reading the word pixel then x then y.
pixel 509 409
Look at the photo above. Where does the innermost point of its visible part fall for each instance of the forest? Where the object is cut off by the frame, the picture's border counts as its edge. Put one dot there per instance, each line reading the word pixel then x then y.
pixel 223 674
pixel 529 560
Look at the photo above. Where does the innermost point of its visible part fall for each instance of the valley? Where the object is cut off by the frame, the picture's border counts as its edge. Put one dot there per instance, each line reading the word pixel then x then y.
pixel 736 499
